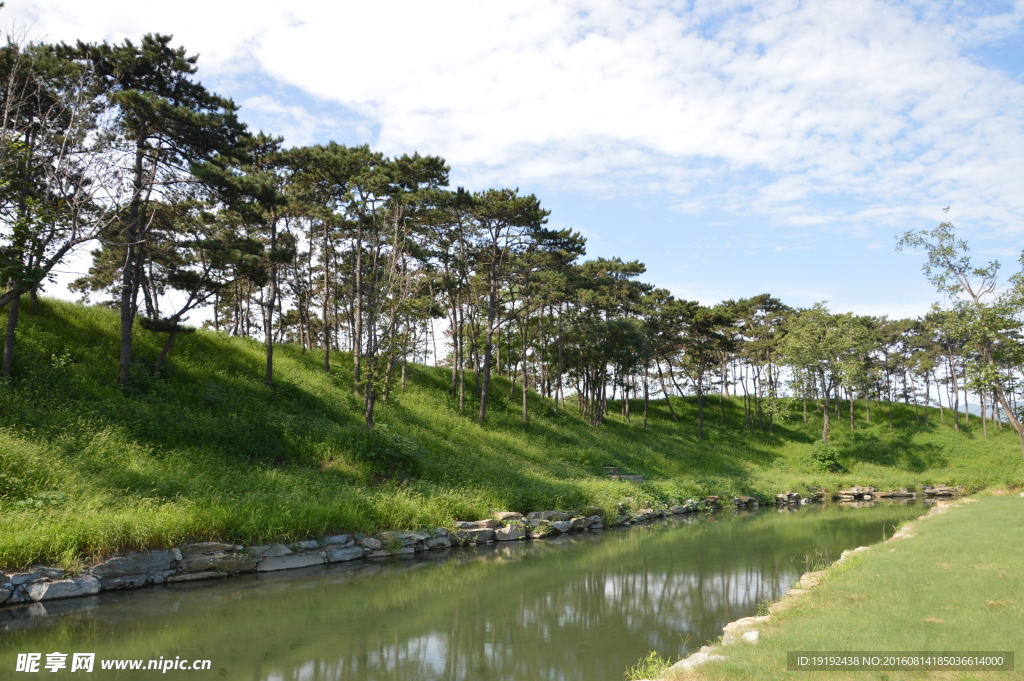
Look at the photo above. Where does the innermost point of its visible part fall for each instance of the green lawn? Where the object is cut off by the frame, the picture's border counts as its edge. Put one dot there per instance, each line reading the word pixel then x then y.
pixel 955 585
pixel 207 451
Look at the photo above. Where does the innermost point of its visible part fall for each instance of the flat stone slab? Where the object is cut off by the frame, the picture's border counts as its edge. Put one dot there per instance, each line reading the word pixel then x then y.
pixel 275 563
pixel 136 563
pixel 65 588
pixel 345 554
pixel 508 516
pixel 227 562
pixel 269 550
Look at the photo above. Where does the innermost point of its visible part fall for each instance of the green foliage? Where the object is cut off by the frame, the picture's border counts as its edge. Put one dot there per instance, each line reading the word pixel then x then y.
pixel 652 666
pixel 205 450
pixel 822 457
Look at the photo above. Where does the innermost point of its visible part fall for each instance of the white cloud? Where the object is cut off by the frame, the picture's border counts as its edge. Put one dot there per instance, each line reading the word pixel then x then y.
pixel 770 108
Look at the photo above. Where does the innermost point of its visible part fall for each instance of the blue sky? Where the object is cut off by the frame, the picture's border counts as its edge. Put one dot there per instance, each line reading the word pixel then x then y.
pixel 734 148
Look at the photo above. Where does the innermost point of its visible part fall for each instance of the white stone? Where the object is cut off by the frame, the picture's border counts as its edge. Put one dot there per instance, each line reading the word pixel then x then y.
pixel 752 636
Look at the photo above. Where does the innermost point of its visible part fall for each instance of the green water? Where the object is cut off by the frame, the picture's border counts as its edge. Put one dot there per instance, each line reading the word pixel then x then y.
pixel 584 607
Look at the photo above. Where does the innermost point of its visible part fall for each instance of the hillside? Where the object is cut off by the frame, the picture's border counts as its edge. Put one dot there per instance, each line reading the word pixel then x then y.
pixel 207 451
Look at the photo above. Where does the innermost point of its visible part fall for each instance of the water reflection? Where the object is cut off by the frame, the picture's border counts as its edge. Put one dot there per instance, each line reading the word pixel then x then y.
pixel 578 607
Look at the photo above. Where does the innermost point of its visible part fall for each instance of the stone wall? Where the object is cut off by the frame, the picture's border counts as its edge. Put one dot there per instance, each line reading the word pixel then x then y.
pixel 211 560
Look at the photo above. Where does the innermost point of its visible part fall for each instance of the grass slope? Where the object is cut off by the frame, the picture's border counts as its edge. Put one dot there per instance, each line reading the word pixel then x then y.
pixel 956 585
pixel 207 451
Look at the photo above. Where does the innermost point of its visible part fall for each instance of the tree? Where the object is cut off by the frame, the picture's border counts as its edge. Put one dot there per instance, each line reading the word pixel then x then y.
pixel 824 345
pixel 507 225
pixel 172 131
pixel 55 184
pixel 986 310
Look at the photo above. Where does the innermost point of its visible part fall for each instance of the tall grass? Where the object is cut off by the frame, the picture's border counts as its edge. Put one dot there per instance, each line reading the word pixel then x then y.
pixel 207 451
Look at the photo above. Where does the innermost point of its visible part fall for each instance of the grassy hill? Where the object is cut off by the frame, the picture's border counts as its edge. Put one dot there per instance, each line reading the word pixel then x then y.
pixel 207 451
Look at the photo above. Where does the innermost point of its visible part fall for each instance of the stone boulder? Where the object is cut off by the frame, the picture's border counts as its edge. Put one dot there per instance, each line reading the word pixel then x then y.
pixel 206 547
pixel 510 533
pixel 65 588
pixel 508 516
pixel 486 524
pixel 345 554
pixel 269 550
pixel 133 564
pixel 561 525
pixel 475 535
pixel 296 560
pixel 343 539
pixel 224 562
pixel 438 543
pixel 734 631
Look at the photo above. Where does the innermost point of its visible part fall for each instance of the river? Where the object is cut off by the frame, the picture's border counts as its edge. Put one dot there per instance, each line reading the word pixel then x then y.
pixel 576 608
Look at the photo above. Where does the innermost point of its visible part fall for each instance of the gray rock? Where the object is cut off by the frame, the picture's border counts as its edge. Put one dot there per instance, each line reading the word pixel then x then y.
pixel 4 578
pixel 305 545
pixel 679 510
pixel 404 551
pixel 49 572
pixel 645 514
pixel 131 582
pixel 510 533
pixel 177 553
pixel 206 547
pixel 194 577
pixel 269 550
pixel 486 524
pixel 558 516
pixel 370 543
pixel 579 523
pixel 477 535
pixel 345 539
pixel 508 516
pixel 751 636
pixel 438 543
pixel 65 588
pixel 380 553
pixel 403 538
pixel 561 525
pixel 133 564
pixel 440 532
pixel 536 522
pixel 225 562
pixel 5 592
pixel 343 555
pixel 25 577
pixel 596 520
pixel 535 515
pixel 289 562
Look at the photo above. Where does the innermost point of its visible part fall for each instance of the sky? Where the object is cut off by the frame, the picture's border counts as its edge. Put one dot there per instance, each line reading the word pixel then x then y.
pixel 734 148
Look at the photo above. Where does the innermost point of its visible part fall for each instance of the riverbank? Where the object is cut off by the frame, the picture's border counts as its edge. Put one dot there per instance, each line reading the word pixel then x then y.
pixel 205 452
pixel 950 581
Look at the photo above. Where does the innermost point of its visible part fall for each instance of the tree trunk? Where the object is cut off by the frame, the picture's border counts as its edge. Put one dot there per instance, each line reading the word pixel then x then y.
pixel 661 380
pixel 12 324
pixel 172 334
pixel 129 275
pixel 646 399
